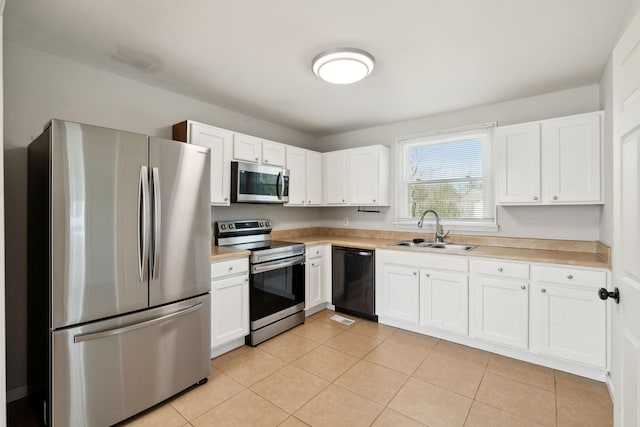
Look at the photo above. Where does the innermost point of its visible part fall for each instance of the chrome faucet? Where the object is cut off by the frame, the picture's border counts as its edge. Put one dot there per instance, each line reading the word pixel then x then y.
pixel 440 234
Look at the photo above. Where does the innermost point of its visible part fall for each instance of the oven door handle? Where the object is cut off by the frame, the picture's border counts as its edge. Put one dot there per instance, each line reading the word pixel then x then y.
pixel 274 265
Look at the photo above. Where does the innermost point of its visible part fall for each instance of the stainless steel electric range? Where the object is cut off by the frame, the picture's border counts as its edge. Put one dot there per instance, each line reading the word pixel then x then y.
pixel 277 279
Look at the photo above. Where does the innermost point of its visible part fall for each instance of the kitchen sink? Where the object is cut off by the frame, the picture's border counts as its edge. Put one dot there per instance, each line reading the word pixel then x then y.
pixel 433 245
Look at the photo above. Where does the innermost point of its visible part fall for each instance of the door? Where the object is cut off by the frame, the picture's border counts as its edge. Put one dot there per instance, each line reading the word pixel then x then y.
pixel 444 299
pixel 97 268
pixel 569 322
pixel 273 153
pixel 364 175
pixel 297 176
pixel 400 293
pixel 247 148
pixel 181 221
pixel 572 159
pixel 518 156
pixel 625 365
pixel 315 284
pixel 314 179
pixel 104 372
pixel 220 142
pixel 335 177
pixel 229 309
pixel 500 310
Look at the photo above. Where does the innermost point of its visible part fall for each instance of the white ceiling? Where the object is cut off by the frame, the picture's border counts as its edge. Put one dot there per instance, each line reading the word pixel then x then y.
pixel 254 56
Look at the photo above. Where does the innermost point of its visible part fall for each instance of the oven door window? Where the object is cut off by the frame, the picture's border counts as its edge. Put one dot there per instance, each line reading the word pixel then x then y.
pixel 276 290
pixel 260 184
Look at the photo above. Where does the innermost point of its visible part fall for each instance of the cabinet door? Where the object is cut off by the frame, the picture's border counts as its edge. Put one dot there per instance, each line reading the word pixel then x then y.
pixel 364 176
pixel 315 283
pixel 335 178
pixel 500 311
pixel 247 148
pixel 229 309
pixel 220 141
pixel 314 178
pixel 273 153
pixel 297 176
pixel 569 322
pixel 444 299
pixel 400 293
pixel 572 160
pixel 518 157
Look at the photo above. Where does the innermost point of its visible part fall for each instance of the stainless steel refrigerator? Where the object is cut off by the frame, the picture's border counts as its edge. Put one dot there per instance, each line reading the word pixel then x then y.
pixel 119 272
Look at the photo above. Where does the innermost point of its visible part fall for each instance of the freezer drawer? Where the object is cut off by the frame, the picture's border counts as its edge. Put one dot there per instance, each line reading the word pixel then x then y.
pixel 107 371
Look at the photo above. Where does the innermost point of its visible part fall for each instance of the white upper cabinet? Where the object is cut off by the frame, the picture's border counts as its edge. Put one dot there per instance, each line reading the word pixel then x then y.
pixel 305 177
pixel 518 152
pixel 296 158
pixel 335 178
pixel 315 187
pixel 554 161
pixel 369 176
pixel 220 141
pixel 273 153
pixel 572 158
pixel 247 148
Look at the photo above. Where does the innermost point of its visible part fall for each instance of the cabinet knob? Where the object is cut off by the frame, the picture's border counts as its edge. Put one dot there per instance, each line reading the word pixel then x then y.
pixel 230 268
pixel 500 269
pixel 535 197
pixel 226 199
pixel 414 273
pixel 427 275
pixel 342 200
pixel 313 265
pixel 374 200
pixel 246 279
pixel 555 197
pixel 604 294
pixel 570 276
pixel 308 201
pixel 302 202
pixel 259 159
pixel 523 287
pixel 543 290
pixel 265 160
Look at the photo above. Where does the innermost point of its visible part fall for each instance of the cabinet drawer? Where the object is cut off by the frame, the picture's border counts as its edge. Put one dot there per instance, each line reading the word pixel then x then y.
pixel 315 251
pixel 426 260
pixel 229 268
pixel 569 276
pixel 517 270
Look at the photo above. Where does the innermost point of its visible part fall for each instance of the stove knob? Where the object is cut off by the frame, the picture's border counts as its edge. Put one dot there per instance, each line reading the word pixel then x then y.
pixel 223 226
pixel 268 224
pixel 231 226
pixel 262 224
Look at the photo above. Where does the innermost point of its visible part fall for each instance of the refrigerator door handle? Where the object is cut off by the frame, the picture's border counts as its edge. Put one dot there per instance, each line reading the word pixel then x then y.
pixel 123 330
pixel 157 223
pixel 143 224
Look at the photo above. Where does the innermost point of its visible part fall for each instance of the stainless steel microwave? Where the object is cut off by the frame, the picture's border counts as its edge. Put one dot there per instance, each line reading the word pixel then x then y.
pixel 254 183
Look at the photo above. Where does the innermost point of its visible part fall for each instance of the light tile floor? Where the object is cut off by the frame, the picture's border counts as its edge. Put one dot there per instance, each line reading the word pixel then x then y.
pixel 324 373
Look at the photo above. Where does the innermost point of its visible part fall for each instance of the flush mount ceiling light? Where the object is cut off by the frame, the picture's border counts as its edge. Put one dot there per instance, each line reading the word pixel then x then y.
pixel 343 65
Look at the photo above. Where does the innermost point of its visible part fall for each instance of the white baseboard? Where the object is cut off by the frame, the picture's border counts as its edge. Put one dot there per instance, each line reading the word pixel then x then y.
pixel 17 393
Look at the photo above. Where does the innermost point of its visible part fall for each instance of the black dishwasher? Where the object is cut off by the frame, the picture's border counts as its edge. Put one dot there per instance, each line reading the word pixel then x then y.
pixel 353 281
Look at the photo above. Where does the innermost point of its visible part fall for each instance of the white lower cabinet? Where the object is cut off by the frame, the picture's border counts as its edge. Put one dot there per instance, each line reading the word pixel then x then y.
pixel 545 314
pixel 499 302
pixel 229 304
pixel 444 299
pixel 568 318
pixel 318 278
pixel 400 294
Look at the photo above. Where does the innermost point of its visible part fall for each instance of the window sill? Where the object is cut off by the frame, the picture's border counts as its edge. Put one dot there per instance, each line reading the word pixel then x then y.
pixel 430 226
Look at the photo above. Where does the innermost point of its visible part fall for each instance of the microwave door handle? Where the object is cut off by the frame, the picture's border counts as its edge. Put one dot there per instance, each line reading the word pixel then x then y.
pixel 279 181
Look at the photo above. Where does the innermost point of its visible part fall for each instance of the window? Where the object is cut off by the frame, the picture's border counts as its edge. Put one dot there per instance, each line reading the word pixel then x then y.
pixel 449 172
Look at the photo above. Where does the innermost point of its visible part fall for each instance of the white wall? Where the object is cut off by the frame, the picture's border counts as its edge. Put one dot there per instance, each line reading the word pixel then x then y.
pixel 579 222
pixel 39 86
